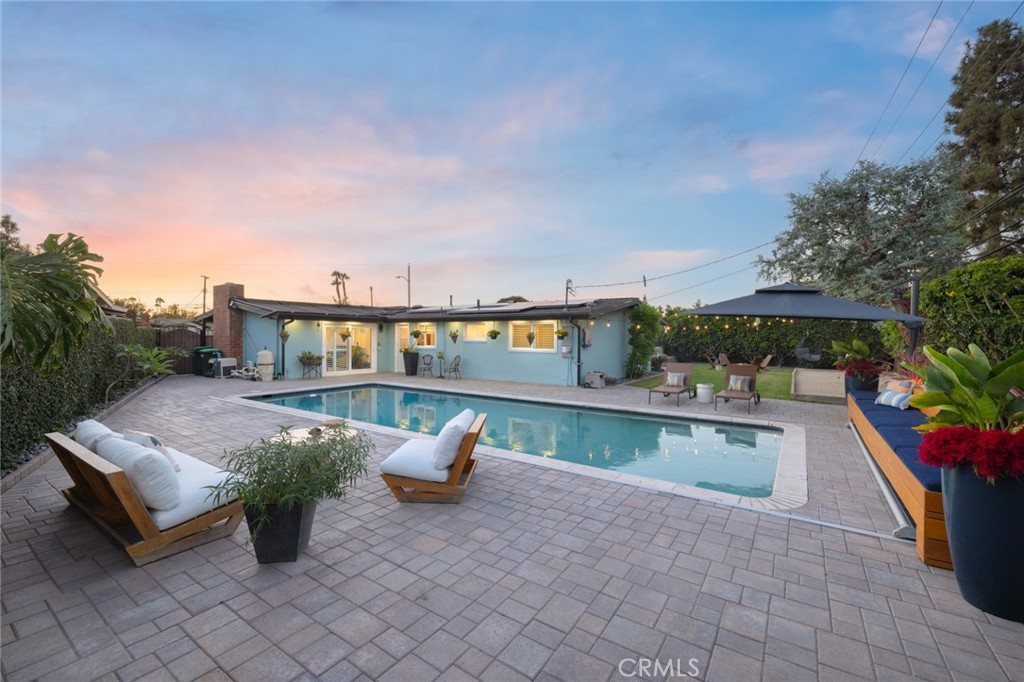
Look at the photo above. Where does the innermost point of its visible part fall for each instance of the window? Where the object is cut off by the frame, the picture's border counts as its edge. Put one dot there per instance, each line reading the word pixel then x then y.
pixel 542 333
pixel 476 331
pixel 428 334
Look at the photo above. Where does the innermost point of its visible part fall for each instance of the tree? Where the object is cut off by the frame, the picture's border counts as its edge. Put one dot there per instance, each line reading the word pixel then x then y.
pixel 644 330
pixel 340 293
pixel 861 237
pixel 9 242
pixel 48 300
pixel 136 308
pixel 987 116
pixel 512 299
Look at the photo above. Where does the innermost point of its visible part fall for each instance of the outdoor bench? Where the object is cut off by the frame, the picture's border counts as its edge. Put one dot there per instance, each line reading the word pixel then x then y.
pixel 152 502
pixel 889 436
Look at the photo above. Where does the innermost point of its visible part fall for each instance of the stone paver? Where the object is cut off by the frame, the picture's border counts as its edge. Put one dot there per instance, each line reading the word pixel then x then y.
pixel 539 574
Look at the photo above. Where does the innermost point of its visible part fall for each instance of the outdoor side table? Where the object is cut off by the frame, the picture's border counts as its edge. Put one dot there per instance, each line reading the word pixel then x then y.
pixel 705 393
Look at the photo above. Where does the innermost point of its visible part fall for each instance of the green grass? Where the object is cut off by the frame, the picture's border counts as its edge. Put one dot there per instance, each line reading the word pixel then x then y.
pixel 774 382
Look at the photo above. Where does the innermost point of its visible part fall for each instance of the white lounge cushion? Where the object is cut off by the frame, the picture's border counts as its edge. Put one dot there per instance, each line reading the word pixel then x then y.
pixel 89 432
pixel 151 441
pixel 194 478
pixel 414 459
pixel 150 473
pixel 446 448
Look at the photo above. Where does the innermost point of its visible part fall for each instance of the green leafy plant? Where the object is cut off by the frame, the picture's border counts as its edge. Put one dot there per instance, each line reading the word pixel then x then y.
pixel 969 391
pixel 854 357
pixel 308 357
pixel 530 336
pixel 561 333
pixel 287 470
pixel 147 362
pixel 493 334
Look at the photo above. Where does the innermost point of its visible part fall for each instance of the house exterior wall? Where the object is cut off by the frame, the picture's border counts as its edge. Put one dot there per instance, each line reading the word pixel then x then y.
pixel 490 359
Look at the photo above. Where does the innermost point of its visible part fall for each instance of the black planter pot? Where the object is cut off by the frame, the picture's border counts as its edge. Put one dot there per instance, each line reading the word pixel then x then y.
pixel 858 384
pixel 412 363
pixel 985 540
pixel 285 535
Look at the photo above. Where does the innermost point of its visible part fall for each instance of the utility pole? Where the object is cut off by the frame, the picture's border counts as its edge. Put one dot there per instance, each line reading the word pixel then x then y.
pixel 204 292
pixel 371 297
pixel 408 283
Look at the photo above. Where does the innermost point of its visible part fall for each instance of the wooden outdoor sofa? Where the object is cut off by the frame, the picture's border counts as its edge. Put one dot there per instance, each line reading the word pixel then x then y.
pixel 891 440
pixel 105 493
pixel 410 472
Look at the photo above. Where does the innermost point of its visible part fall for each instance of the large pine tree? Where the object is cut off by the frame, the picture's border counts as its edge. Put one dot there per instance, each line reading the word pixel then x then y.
pixel 987 117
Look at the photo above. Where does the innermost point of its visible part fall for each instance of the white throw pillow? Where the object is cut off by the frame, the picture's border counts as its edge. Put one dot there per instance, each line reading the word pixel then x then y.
pixel 148 471
pixel 739 383
pixel 676 379
pixel 90 432
pixel 150 441
pixel 446 449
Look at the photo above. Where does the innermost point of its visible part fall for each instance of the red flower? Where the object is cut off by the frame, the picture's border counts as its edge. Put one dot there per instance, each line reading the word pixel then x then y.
pixel 991 453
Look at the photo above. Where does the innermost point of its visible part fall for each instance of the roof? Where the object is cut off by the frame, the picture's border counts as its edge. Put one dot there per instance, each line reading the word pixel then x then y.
pixel 529 310
pixel 794 300
pixel 525 310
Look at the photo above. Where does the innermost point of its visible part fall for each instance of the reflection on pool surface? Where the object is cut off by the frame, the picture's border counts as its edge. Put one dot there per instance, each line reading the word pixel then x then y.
pixel 729 458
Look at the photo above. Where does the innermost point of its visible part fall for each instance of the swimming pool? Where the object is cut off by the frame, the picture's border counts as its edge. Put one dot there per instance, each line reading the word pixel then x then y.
pixel 730 458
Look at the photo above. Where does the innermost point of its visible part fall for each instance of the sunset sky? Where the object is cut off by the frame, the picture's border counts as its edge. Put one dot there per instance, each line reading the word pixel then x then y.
pixel 498 148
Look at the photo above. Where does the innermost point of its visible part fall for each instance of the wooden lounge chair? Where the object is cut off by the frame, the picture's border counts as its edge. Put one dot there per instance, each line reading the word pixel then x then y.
pixel 449 490
pixel 733 392
pixel 762 363
pixel 723 360
pixel 103 491
pixel 671 386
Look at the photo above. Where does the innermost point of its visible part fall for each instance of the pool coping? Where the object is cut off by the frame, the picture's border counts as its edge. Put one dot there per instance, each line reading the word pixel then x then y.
pixel 789 490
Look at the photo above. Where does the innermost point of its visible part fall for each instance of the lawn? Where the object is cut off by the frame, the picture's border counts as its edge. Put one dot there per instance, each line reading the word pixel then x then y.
pixel 774 382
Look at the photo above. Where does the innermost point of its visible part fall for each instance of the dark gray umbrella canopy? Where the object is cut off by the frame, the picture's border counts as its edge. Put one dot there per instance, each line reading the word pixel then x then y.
pixel 794 300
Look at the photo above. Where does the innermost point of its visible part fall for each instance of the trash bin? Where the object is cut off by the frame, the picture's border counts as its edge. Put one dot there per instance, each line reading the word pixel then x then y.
pixel 201 357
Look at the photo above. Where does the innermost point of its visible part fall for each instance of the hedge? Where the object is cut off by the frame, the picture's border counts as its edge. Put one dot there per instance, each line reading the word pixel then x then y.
pixel 32 404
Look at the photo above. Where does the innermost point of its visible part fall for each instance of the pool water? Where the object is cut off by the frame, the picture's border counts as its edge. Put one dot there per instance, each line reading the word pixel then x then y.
pixel 724 457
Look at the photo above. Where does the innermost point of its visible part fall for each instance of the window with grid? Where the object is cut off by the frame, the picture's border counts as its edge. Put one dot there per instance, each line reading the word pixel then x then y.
pixel 428 335
pixel 543 336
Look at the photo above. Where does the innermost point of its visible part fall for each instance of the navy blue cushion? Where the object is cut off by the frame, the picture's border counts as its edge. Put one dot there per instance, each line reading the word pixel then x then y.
pixel 897 428
pixel 930 477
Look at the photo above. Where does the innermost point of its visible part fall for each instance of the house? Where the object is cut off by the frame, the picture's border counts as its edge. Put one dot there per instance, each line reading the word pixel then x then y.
pixel 529 344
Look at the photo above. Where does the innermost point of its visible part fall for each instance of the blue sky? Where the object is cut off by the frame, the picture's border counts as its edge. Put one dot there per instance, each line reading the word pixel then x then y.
pixel 498 148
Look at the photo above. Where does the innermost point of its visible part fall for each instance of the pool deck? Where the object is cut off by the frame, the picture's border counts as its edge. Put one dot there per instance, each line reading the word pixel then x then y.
pixel 539 573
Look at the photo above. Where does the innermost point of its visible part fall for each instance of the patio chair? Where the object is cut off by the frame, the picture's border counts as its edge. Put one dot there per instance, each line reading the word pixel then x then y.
pixel 723 360
pixel 411 472
pixel 804 351
pixel 765 362
pixel 453 369
pixel 427 365
pixel 740 384
pixel 678 380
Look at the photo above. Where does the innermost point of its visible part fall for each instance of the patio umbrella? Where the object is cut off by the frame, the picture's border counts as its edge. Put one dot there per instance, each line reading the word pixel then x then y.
pixel 794 300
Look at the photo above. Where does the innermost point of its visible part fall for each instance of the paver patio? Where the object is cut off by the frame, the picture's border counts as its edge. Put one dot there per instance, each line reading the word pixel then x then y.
pixel 538 574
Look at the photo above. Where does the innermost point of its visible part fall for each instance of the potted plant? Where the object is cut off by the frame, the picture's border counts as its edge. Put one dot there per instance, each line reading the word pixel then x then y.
pixel 454 335
pixel 561 333
pixel 530 336
pixel 284 334
pixel 853 357
pixel 280 480
pixel 977 437
pixel 411 358
pixel 493 334
pixel 308 358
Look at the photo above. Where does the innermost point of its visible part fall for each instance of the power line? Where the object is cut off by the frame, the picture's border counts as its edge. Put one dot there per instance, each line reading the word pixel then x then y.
pixel 925 78
pixel 645 280
pixel 898 84
pixel 699 284
pixel 942 106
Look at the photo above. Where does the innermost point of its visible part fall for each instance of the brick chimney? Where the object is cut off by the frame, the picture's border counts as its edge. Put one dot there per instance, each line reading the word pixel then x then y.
pixel 227 322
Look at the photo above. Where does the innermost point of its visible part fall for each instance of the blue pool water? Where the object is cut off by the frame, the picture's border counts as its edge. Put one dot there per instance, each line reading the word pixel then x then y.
pixel 716 456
